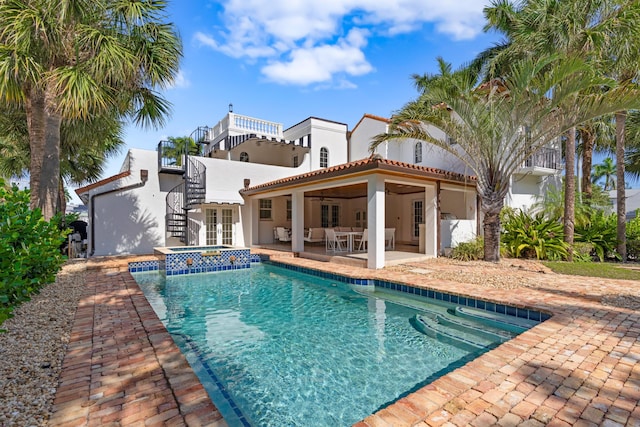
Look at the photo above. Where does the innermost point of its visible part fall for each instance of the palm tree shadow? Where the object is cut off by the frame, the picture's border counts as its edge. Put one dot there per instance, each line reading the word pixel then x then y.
pixel 121 226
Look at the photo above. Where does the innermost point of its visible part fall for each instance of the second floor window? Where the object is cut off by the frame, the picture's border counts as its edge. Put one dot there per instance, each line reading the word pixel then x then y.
pixel 324 157
pixel 417 153
pixel 244 156
pixel 295 161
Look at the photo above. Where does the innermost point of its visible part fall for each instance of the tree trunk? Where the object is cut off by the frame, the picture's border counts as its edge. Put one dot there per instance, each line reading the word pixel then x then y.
pixel 621 118
pixel 36 125
pixel 570 190
pixel 62 197
pixel 588 140
pixel 491 207
pixel 50 172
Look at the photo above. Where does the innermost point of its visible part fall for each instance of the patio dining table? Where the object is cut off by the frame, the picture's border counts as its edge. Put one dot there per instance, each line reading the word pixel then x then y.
pixel 350 235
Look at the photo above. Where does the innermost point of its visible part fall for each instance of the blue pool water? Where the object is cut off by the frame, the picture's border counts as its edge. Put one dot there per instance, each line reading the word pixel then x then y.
pixel 280 348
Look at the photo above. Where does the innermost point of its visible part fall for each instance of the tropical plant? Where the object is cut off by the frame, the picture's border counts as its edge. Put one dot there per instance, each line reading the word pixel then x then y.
pixel 469 251
pixel 527 236
pixel 177 147
pixel 552 205
pixel 601 233
pixel 29 249
pixel 499 124
pixel 606 170
pixel 633 237
pixel 632 155
pixel 64 60
pixel 85 147
pixel 603 32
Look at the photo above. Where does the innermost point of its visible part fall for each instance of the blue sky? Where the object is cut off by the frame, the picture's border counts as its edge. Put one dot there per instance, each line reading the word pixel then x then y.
pixel 286 60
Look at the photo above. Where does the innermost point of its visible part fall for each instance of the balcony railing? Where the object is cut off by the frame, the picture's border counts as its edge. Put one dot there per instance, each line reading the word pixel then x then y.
pixel 547 158
pixel 238 124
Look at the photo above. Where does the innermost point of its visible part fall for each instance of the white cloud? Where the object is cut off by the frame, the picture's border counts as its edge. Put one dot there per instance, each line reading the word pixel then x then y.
pixel 301 39
pixel 320 63
pixel 180 81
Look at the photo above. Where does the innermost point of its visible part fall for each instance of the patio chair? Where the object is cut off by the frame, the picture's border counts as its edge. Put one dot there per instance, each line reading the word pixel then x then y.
pixel 315 235
pixel 333 242
pixel 363 240
pixel 390 238
pixel 283 234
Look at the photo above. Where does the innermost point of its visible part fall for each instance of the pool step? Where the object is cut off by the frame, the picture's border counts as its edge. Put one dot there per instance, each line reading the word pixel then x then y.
pixel 502 321
pixel 488 331
pixel 466 337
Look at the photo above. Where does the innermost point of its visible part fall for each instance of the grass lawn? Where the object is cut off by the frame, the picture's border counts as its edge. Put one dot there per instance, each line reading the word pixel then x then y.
pixel 596 269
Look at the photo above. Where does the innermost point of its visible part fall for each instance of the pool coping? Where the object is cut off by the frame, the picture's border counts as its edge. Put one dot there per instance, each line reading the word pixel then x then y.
pixel 580 366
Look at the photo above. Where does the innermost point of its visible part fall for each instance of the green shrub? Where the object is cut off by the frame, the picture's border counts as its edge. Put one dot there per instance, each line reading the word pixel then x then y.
pixel 29 249
pixel 527 236
pixel 601 233
pixel 582 252
pixel 633 238
pixel 469 251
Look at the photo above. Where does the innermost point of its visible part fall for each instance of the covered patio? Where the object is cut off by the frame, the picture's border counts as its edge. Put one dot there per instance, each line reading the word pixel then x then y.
pixel 397 208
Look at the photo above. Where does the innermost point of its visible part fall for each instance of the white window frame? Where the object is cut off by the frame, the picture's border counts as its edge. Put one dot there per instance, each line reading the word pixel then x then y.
pixel 417 152
pixel 324 157
pixel 266 208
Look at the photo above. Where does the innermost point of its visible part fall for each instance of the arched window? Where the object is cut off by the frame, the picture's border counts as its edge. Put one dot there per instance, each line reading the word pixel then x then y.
pixel 244 156
pixel 324 157
pixel 417 153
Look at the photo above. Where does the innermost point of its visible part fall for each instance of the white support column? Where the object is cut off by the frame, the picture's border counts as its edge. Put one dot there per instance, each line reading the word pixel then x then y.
pixel 375 222
pixel 430 221
pixel 297 221
pixel 254 229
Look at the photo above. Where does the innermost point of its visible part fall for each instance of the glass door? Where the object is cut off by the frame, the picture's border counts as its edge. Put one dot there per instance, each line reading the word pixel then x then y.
pixel 211 221
pixel 418 217
pixel 329 215
pixel 219 226
pixel 227 227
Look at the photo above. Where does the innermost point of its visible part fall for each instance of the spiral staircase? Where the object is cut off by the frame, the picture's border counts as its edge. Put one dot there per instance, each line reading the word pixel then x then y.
pixel 184 197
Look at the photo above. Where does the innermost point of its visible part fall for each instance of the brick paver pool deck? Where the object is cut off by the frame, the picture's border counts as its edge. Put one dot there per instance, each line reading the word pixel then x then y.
pixel 579 368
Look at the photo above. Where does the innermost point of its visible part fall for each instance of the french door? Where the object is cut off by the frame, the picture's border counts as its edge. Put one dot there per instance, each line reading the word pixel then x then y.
pixel 219 226
pixel 329 215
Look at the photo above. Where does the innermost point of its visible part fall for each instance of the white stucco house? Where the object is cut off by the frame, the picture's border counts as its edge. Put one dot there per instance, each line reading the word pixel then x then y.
pixel 253 176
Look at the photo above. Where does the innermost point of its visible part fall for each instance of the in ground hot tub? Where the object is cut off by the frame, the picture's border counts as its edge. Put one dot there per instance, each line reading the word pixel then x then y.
pixel 201 259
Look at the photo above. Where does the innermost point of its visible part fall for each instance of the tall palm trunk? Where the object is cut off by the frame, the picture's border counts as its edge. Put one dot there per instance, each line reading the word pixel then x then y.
pixel 50 173
pixel 492 203
pixel 36 124
pixel 588 141
pixel 570 190
pixel 621 118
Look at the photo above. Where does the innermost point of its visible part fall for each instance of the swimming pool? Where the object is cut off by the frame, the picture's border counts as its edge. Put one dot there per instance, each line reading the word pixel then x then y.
pixel 274 347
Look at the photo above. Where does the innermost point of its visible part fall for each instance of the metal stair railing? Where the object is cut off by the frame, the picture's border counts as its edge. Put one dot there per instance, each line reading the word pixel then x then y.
pixel 175 217
pixel 184 197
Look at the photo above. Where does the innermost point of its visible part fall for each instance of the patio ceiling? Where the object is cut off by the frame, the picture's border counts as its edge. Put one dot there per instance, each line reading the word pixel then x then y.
pixel 360 190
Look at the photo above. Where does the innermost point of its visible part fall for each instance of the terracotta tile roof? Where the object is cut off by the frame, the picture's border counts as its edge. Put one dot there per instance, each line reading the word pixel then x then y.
pixel 369 164
pixel 82 190
pixel 373 117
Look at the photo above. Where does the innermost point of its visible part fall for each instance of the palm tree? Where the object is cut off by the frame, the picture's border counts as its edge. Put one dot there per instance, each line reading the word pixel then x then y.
pixel 85 147
pixel 632 155
pixel 606 170
pixel 488 121
pixel 588 29
pixel 62 60
pixel 177 148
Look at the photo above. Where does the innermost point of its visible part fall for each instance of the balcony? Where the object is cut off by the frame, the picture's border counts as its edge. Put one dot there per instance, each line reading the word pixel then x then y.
pixel 544 162
pixel 233 125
